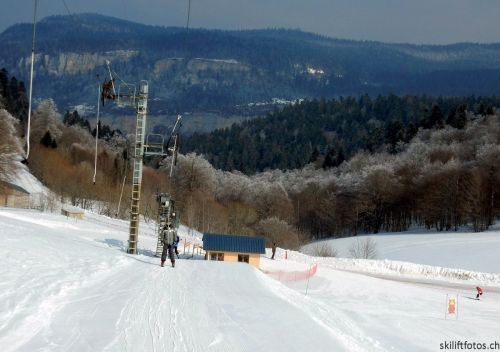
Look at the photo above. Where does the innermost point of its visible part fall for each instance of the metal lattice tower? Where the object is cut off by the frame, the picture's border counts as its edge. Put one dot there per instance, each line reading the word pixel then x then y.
pixel 144 146
pixel 140 129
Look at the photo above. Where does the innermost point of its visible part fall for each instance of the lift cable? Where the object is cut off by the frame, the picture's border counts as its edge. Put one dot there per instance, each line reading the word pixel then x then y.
pixel 31 82
pixel 187 26
pixel 188 15
pixel 30 100
pixel 67 8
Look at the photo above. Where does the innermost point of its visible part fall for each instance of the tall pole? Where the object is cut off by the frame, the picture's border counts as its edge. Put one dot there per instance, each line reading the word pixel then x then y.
pixel 121 194
pixel 97 130
pixel 308 278
pixel 142 107
pixel 31 81
pixel 173 157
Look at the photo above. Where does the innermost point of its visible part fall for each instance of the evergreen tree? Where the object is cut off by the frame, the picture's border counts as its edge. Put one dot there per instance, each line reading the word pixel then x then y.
pixel 330 159
pixel 457 117
pixel 435 119
pixel 46 139
pixel 411 131
pixel 314 155
pixel 394 133
pixel 13 97
pixel 333 158
pixel 340 157
pixel 67 120
pixel 4 93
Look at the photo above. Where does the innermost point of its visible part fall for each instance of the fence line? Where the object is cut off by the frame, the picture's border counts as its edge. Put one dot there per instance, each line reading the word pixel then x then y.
pixel 288 276
pixel 191 249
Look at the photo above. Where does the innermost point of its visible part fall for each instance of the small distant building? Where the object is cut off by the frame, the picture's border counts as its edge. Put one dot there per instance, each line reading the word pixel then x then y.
pixel 72 212
pixel 231 248
pixel 13 196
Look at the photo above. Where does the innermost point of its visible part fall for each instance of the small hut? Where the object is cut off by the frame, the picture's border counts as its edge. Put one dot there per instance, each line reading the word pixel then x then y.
pixel 72 212
pixel 231 248
pixel 13 196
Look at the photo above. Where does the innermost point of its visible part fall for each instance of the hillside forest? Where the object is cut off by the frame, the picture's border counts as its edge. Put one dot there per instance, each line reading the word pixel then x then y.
pixel 410 165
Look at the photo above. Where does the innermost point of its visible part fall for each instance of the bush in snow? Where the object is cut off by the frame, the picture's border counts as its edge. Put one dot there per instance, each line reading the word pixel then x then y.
pixel 323 250
pixel 364 249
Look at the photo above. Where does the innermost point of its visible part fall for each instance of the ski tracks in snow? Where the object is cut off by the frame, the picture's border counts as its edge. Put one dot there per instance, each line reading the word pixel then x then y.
pixel 41 296
pixel 150 321
pixel 336 322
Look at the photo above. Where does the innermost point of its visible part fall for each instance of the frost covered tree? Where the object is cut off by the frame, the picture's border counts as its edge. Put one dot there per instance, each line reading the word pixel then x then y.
pixel 193 175
pixel 193 184
pixel 269 200
pixel 46 119
pixel 10 145
pixel 279 231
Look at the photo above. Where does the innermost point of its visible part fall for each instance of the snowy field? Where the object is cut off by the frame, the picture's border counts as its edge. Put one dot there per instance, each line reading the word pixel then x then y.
pixel 68 285
pixel 461 250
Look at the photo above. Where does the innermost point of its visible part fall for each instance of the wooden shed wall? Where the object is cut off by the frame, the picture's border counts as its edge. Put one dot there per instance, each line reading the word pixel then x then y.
pixel 254 259
pixel 15 200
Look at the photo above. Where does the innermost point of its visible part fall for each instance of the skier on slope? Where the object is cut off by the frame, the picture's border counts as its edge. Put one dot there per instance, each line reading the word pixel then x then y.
pixel 479 292
pixel 273 249
pixel 169 237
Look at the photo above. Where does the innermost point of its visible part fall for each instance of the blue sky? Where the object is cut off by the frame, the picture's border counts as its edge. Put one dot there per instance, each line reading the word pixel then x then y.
pixel 414 21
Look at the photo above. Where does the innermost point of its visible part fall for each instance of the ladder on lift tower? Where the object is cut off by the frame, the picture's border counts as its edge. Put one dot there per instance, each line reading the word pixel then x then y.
pixel 137 174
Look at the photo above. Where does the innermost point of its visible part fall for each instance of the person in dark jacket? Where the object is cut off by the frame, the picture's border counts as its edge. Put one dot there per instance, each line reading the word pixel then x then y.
pixel 273 249
pixel 169 237
pixel 107 91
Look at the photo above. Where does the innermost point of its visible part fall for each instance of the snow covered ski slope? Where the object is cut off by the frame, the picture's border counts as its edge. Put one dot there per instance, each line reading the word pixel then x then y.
pixel 68 285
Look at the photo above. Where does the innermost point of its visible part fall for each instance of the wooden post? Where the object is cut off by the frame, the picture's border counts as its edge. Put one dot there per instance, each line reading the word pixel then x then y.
pixel 308 277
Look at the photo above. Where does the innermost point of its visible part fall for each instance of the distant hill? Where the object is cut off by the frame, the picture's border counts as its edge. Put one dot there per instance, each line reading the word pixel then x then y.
pixel 224 71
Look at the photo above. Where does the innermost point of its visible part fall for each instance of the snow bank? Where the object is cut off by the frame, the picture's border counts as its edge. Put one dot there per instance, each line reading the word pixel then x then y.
pixel 395 268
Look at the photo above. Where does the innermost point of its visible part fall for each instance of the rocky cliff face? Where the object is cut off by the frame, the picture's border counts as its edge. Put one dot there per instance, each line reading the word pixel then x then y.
pixel 199 65
pixel 67 63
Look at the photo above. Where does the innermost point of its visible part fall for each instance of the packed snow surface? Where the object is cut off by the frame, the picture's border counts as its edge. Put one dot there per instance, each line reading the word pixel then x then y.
pixel 68 285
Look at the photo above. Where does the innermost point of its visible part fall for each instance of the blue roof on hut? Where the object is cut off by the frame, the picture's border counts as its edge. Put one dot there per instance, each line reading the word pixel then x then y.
pixel 232 243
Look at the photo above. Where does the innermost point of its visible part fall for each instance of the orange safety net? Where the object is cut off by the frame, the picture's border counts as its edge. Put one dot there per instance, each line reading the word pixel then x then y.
pixel 287 276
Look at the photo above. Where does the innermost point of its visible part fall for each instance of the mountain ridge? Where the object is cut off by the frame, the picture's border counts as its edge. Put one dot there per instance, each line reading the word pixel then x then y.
pixel 241 67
